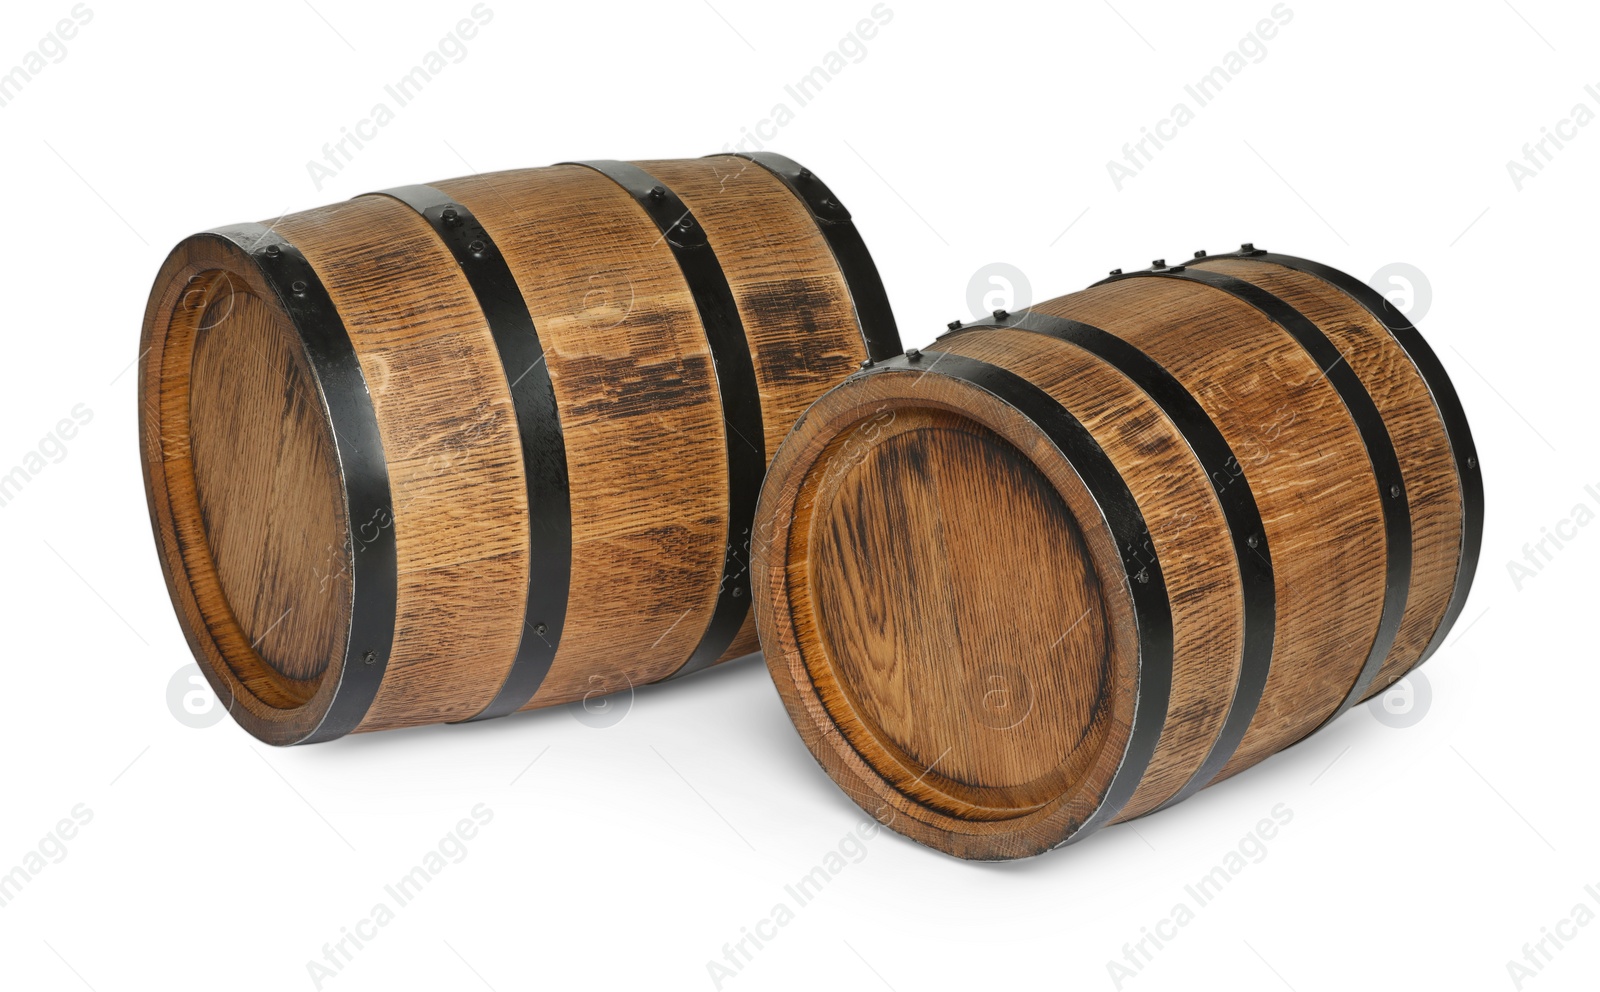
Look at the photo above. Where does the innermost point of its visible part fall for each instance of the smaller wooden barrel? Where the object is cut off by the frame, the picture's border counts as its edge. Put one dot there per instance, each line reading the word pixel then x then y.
pixel 447 452
pixel 1076 563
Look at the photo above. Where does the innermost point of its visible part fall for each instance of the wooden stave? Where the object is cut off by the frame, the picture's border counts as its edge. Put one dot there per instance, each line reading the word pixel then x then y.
pixel 867 295
pixel 271 707
pixel 801 214
pixel 733 366
pixel 463 550
pixel 803 336
pixel 1246 369
pixel 538 415
pixel 1446 408
pixel 1420 361
pixel 1382 457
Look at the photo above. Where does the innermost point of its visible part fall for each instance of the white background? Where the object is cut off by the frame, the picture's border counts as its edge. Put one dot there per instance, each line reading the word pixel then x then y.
pixel 627 856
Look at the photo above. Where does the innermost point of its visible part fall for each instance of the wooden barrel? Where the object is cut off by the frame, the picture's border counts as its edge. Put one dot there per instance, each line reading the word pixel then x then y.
pixel 447 452
pixel 1077 563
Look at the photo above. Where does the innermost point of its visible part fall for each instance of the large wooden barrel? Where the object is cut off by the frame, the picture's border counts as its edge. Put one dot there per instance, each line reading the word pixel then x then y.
pixel 1076 563
pixel 447 452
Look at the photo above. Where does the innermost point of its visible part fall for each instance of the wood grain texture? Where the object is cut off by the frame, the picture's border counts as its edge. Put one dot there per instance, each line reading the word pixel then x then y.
pixel 1433 489
pixel 641 417
pixel 444 412
pixel 874 568
pixel 1191 539
pixel 1306 465
pixel 793 300
pixel 205 281
pixel 883 584
pixel 632 373
pixel 978 690
pixel 268 488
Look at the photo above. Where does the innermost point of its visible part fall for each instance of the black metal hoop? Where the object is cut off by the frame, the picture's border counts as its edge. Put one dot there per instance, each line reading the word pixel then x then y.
pixel 736 382
pixel 1451 413
pixel 1120 512
pixel 1374 434
pixel 871 302
pixel 544 453
pixel 363 471
pixel 1233 491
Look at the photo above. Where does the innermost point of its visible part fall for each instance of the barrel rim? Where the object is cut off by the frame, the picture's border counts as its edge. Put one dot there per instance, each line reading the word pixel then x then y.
pixel 1143 590
pixel 1374 431
pixel 184 283
pixel 1120 513
pixel 363 469
pixel 1238 504
pixel 543 448
pixel 278 709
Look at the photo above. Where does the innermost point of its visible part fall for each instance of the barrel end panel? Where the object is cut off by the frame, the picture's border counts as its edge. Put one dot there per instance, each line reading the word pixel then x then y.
pixel 245 490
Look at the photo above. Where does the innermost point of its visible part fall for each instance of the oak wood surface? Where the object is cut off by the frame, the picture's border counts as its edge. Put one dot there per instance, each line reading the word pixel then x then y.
pixel 882 578
pixel 951 587
pixel 636 391
pixel 203 282
pixel 1306 466
pixel 1433 489
pixel 267 485
pixel 242 514
pixel 463 549
pixel 1191 539
pixel 793 299
pixel 798 595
